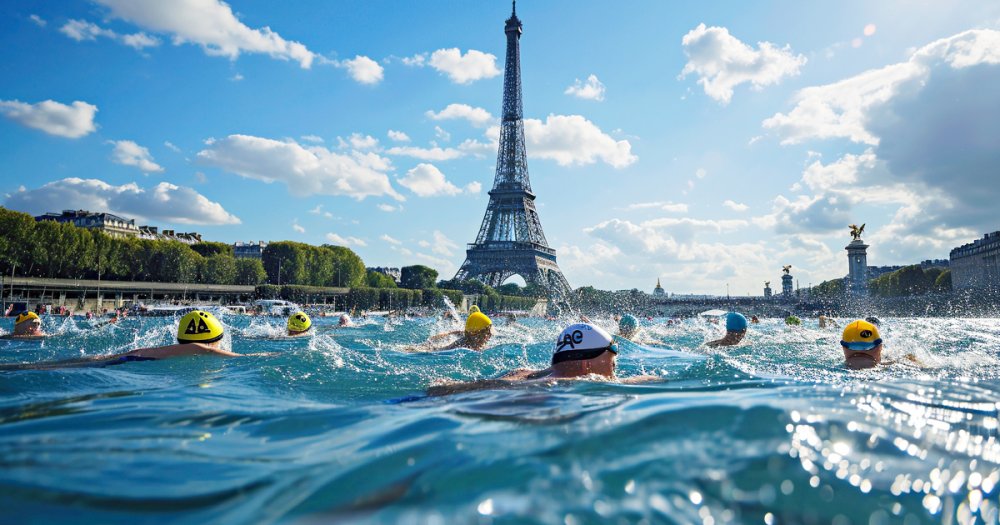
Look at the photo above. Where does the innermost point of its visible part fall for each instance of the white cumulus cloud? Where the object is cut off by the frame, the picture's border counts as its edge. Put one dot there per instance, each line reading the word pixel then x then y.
pixel 476 116
pixel 164 202
pixel 735 206
pixel 128 153
pixel 210 24
pixel 81 30
pixel 398 136
pixel 463 69
pixel 393 241
pixel 845 109
pixel 722 62
pixel 435 153
pixel 592 89
pixel 574 140
pixel 306 171
pixel 427 181
pixel 363 69
pixel 72 121
pixel 345 241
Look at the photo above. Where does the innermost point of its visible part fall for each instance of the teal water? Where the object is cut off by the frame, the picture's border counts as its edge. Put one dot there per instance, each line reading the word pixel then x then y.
pixel 774 431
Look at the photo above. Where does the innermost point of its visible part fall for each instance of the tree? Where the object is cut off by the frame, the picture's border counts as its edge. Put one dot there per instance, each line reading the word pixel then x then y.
pixel 285 262
pixel 380 280
pixel 417 277
pixel 943 282
pixel 209 248
pixel 219 269
pixel 250 272
pixel 509 289
pixel 349 267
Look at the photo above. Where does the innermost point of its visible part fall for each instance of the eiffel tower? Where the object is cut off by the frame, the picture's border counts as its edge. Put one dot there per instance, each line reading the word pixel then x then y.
pixel 511 240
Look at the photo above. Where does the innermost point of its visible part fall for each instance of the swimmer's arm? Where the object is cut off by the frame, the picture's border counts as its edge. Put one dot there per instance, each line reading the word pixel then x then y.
pixel 179 350
pixel 715 343
pixel 635 380
pixel 445 335
pixel 505 381
pixel 908 359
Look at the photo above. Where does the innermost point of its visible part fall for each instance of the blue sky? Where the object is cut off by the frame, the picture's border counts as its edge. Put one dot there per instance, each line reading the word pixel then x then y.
pixel 703 145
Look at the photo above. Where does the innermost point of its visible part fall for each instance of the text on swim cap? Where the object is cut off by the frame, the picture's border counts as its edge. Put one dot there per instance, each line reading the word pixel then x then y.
pixel 193 329
pixel 570 340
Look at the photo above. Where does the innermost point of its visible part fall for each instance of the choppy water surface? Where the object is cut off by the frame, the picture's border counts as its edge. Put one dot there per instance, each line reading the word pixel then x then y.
pixel 774 431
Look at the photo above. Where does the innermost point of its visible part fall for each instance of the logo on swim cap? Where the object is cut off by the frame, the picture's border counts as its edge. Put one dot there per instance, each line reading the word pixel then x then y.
pixel 582 341
pixel 861 335
pixel 199 327
pixel 569 339
pixel 299 322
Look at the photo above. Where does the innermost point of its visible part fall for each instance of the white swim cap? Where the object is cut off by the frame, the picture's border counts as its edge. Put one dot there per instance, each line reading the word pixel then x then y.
pixel 582 341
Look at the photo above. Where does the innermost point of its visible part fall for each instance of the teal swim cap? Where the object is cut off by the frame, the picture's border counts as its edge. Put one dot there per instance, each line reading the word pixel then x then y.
pixel 735 322
pixel 628 323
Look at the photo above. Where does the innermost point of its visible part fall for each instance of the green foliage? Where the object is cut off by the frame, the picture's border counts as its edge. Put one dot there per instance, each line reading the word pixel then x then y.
pixel 417 276
pixel 911 280
pixel 831 288
pixel 209 248
pixel 288 262
pixel 943 282
pixel 249 272
pixel 379 280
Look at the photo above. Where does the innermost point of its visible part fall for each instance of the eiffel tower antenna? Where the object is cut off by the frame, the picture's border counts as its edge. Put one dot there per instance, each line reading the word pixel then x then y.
pixel 511 241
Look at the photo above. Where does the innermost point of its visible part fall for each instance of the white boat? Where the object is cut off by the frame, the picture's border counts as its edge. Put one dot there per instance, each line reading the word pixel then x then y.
pixel 276 307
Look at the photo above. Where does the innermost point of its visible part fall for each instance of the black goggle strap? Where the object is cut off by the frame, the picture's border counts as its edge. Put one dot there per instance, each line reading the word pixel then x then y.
pixel 582 355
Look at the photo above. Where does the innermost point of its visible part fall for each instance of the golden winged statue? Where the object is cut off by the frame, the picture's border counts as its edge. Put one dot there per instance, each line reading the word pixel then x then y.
pixel 767 284
pixel 787 269
pixel 855 231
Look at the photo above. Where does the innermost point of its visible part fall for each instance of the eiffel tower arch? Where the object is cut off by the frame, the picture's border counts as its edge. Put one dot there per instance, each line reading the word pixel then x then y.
pixel 510 240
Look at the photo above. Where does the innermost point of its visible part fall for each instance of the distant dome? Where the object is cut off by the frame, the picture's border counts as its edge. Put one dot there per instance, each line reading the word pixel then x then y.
pixel 659 289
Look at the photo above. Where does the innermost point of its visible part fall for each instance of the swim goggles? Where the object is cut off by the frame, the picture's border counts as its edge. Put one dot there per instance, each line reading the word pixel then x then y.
pixel 861 346
pixel 583 355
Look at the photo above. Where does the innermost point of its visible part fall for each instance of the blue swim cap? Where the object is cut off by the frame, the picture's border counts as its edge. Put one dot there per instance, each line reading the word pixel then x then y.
pixel 628 323
pixel 735 322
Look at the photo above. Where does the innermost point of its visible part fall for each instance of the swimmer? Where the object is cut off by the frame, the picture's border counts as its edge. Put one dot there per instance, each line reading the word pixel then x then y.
pixel 478 331
pixel 27 326
pixel 862 347
pixel 736 329
pixel 791 320
pixel 198 333
pixel 345 321
pixel 299 325
pixel 582 351
pixel 822 321
pixel 472 309
pixel 628 326
pixel 754 320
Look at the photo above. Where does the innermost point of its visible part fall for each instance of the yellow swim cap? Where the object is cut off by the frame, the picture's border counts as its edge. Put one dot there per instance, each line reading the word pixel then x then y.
pixel 199 327
pixel 299 322
pixel 25 317
pixel 474 309
pixel 477 322
pixel 861 335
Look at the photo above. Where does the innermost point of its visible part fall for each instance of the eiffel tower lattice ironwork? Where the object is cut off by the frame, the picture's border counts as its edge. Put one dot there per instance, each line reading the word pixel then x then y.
pixel 511 240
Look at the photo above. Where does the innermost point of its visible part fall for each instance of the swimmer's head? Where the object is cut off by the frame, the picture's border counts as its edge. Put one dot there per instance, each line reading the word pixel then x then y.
pixel 862 345
pixel 199 327
pixel 586 343
pixel 628 325
pixel 27 317
pixel 477 323
pixel 299 323
pixel 873 320
pixel 791 320
pixel 344 320
pixel 474 309
pixel 735 322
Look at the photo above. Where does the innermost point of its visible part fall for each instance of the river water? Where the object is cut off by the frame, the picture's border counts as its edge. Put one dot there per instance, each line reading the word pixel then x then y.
pixel 333 428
